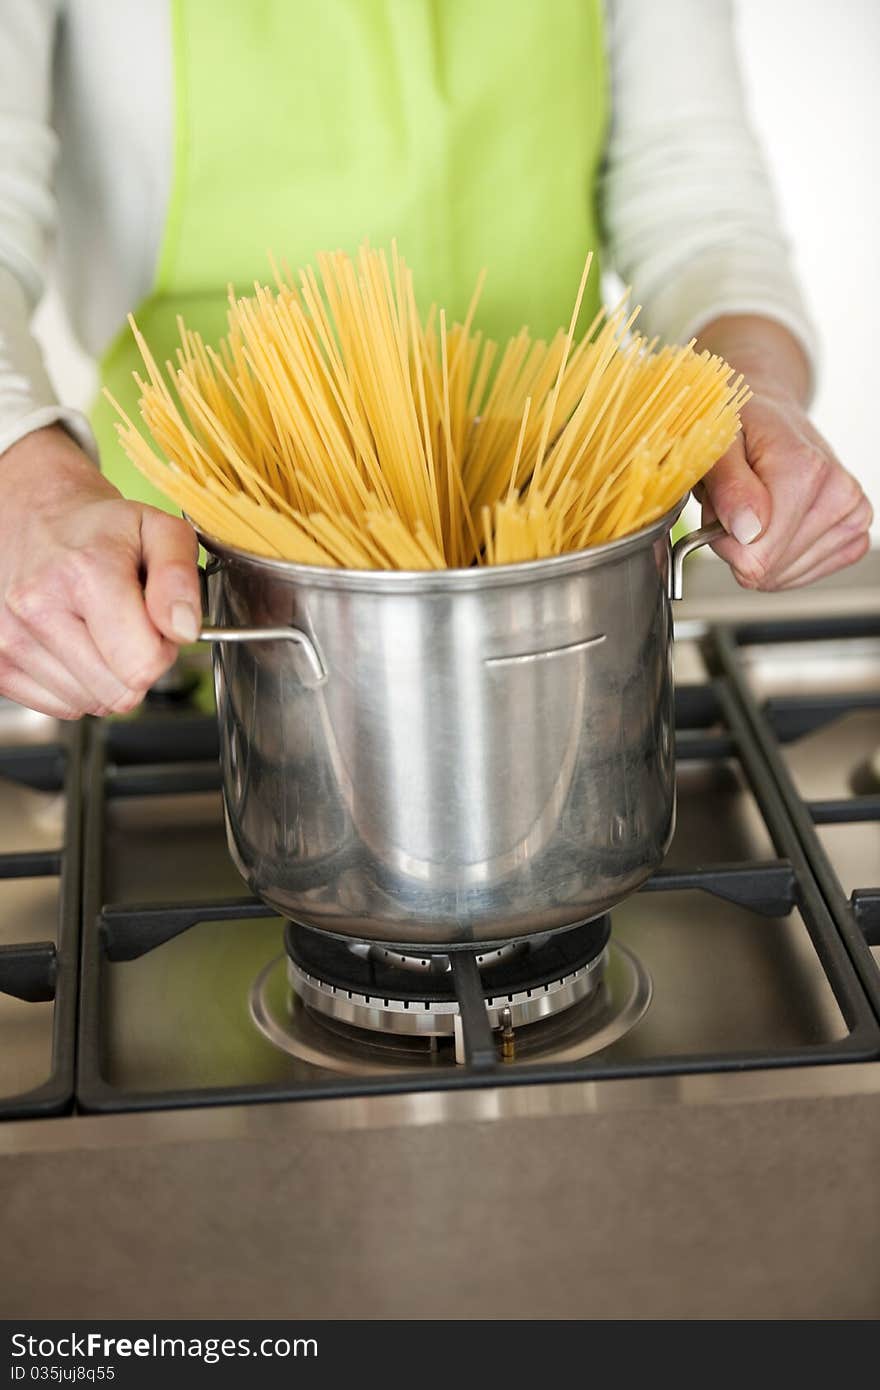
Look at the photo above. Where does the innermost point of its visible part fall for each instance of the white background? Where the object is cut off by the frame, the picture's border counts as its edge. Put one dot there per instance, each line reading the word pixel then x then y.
pixel 813 74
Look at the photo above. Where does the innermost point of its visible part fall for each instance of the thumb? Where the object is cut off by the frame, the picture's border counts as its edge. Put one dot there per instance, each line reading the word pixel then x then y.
pixel 169 551
pixel 737 496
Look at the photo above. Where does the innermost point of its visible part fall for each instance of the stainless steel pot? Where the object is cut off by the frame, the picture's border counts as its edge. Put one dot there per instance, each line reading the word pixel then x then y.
pixel 448 757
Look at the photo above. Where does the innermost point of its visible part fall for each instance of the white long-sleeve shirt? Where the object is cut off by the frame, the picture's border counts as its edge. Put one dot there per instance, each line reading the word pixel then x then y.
pixel 86 138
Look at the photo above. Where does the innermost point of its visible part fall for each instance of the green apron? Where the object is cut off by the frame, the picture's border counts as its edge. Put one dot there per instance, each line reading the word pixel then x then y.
pixel 470 130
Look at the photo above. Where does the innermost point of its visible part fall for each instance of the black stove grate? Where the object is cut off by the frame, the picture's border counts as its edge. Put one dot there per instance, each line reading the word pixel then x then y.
pixel 714 721
pixel 43 971
pixel 781 720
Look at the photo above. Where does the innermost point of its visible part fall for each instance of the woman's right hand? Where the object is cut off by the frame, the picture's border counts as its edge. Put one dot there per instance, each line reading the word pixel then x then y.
pixel 96 593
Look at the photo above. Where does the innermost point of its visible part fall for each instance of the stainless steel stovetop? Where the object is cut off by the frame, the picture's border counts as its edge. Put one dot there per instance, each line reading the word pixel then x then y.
pixel 686 1138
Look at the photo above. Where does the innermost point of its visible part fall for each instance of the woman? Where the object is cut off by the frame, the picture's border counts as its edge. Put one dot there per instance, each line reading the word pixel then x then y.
pixel 193 136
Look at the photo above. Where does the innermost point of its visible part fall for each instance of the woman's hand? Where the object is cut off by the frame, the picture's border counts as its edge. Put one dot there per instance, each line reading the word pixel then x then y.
pixel 96 592
pixel 792 511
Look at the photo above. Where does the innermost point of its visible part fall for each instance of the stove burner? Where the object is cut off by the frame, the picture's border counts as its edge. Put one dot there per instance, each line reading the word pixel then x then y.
pixel 383 990
pixel 620 999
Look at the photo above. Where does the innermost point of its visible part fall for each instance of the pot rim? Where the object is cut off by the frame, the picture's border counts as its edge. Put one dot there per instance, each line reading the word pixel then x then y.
pixel 456 580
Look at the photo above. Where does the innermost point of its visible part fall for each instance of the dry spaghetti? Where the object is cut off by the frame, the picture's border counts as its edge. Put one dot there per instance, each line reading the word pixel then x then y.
pixel 334 426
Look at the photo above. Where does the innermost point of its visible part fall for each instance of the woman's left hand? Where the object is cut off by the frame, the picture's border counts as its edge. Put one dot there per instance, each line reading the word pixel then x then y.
pixel 792 512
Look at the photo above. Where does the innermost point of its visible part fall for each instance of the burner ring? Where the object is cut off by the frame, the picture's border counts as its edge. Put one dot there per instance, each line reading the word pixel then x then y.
pixel 389 992
pixel 436 1018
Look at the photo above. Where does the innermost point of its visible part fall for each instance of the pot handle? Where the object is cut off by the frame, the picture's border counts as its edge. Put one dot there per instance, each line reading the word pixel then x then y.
pixel 679 552
pixel 317 673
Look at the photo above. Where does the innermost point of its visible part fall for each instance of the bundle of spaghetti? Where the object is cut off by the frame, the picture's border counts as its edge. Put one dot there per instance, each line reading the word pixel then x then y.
pixel 333 425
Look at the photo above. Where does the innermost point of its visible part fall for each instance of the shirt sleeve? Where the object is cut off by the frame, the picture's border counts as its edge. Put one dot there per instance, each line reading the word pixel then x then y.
pixel 27 218
pixel 689 212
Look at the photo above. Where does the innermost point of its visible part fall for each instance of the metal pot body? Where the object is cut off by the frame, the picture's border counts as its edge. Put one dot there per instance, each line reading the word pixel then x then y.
pixel 447 758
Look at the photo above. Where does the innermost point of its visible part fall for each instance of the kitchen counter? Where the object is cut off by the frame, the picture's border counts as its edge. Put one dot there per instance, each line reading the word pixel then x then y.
pixel 610 1200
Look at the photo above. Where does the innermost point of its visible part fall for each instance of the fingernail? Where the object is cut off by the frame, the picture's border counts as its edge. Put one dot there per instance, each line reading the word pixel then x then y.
pixel 184 621
pixel 745 526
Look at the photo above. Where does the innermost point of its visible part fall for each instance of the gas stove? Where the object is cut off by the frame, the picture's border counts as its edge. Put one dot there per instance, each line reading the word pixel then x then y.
pixel 146 998
pixel 193 993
